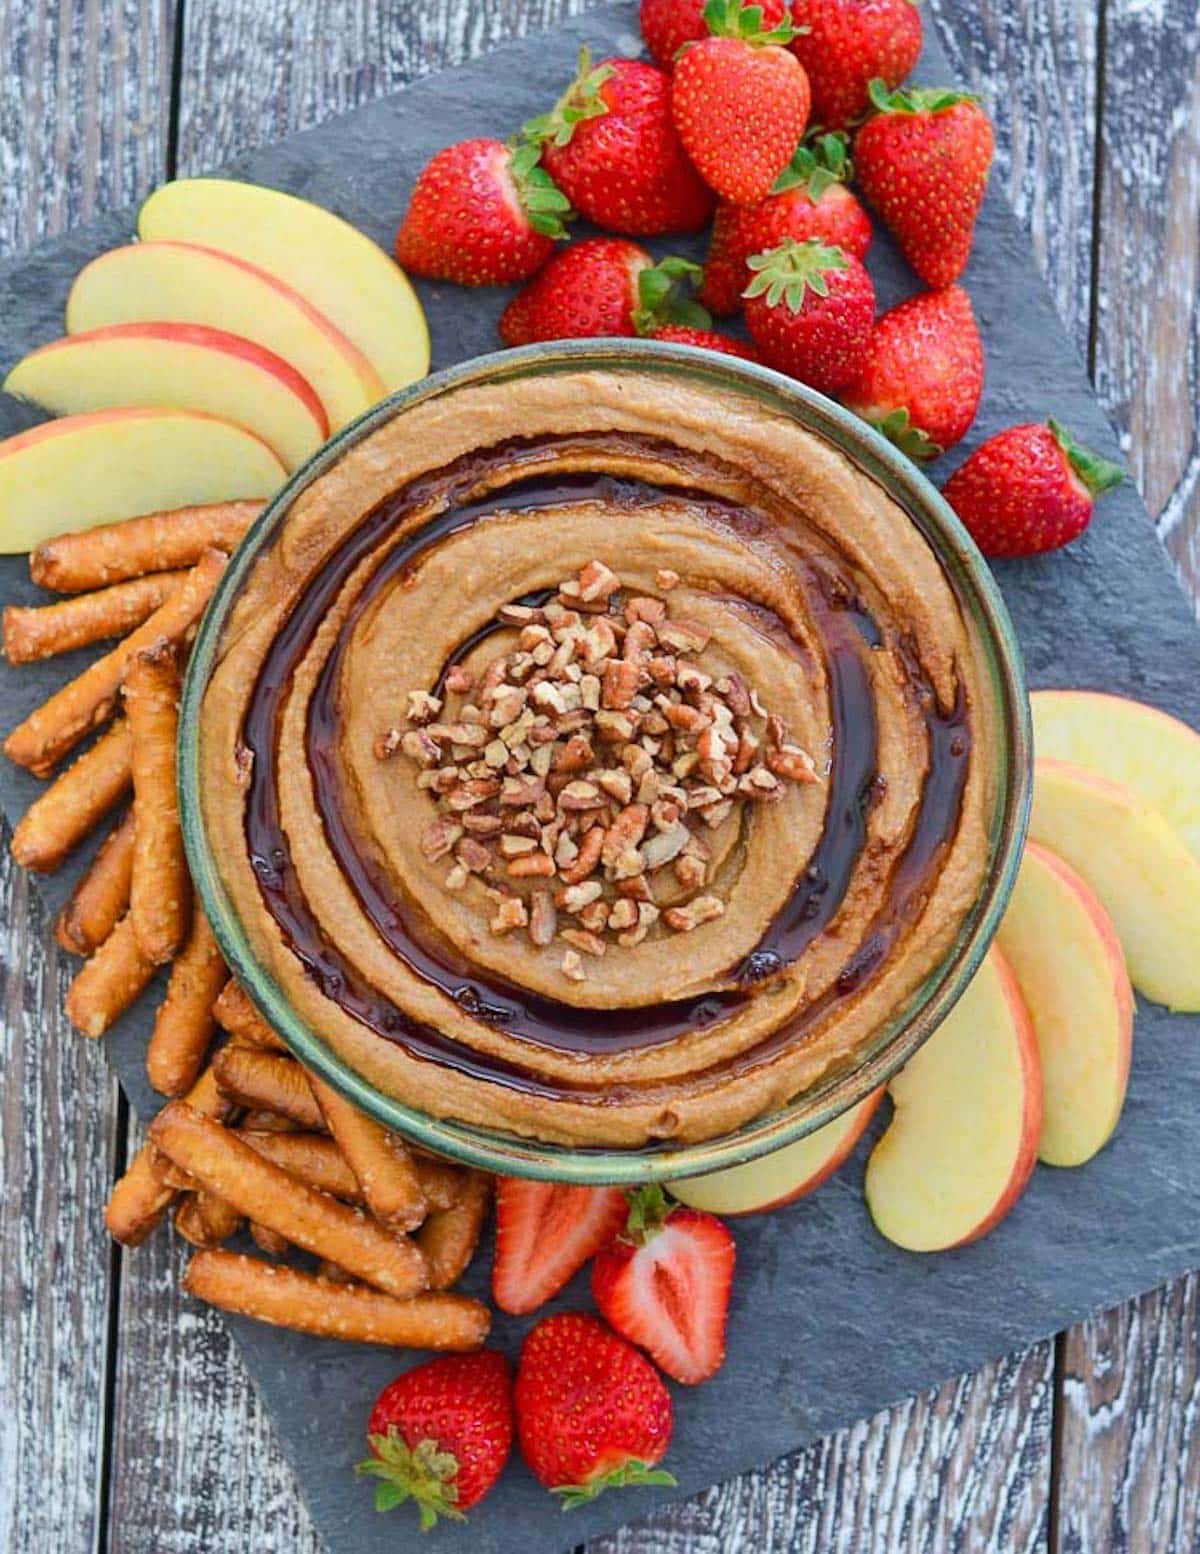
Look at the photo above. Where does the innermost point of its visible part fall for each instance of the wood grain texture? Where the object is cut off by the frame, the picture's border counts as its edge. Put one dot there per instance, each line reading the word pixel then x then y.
pixel 58 1107
pixel 1148 261
pixel 965 1467
pixel 84 99
pixel 1129 1446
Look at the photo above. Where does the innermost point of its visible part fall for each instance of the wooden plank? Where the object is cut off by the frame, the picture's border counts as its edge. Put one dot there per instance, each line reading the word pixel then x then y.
pixel 1148 301
pixel 82 127
pixel 1129 1451
pixel 58 1110
pixel 84 97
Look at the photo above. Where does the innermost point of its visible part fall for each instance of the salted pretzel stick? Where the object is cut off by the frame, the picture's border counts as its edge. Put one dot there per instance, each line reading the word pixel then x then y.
pixel 288 1298
pixel 234 1013
pixel 48 629
pixel 269 1241
pixel 264 1079
pixel 93 558
pixel 228 1167
pixel 312 1157
pixel 441 1182
pixel 160 892
pixel 144 1194
pixel 205 1220
pixel 101 897
pixel 448 1238
pixel 378 1158
pixel 184 1025
pixel 107 984
pixel 60 723
pixel 59 819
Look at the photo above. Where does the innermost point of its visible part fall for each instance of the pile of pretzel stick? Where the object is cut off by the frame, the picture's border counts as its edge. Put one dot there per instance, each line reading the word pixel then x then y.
pixel 249 1138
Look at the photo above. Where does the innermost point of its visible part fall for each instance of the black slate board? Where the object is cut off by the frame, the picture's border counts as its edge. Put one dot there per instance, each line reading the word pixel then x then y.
pixel 830 1323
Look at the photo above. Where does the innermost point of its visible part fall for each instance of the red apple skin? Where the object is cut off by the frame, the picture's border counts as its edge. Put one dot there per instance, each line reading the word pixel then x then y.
pixel 866 1110
pixel 211 339
pixel 1031 1131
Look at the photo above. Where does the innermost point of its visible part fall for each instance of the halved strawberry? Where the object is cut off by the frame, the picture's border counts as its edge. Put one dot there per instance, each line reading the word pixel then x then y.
pixel 545 1232
pixel 664 1284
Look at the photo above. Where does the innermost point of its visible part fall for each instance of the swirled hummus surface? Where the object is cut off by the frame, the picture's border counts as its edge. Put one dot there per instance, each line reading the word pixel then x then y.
pixel 599 756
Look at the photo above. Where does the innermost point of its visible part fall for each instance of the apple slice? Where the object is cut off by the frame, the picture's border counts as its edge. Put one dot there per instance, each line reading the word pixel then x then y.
pixel 1067 959
pixel 1145 876
pixel 359 288
pixel 186 284
pixel 184 365
pixel 1149 751
pixel 783 1176
pixel 963 1139
pixel 91 469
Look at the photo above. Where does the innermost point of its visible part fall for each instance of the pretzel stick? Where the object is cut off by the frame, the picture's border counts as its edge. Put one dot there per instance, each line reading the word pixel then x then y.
pixel 60 723
pixel 441 1182
pixel 205 1220
pixel 101 897
pixel 49 629
pixel 335 1275
pixel 264 1079
pixel 184 1025
pixel 378 1158
pixel 59 819
pixel 227 1166
pixel 92 558
pixel 234 1013
pixel 448 1238
pixel 288 1298
pixel 144 1194
pixel 107 984
pixel 160 892
pixel 269 1241
pixel 259 1121
pixel 312 1157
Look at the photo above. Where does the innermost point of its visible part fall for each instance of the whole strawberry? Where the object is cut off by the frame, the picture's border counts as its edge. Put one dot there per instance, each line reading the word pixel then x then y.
pixel 924 373
pixel 707 339
pixel 847 45
pixel 664 1284
pixel 440 1435
pixel 592 1413
pixel 611 146
pixel 597 287
pixel 668 24
pixel 809 309
pixel 809 199
pixel 740 101
pixel 1028 489
pixel 923 163
pixel 482 214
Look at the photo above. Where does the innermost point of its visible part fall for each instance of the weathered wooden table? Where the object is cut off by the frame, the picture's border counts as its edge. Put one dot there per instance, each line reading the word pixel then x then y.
pixel 126 1421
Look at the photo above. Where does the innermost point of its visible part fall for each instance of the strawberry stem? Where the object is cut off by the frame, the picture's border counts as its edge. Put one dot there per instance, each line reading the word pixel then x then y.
pixel 580 101
pixel 421 1473
pixel 815 166
pixel 916 99
pixel 787 273
pixel 732 19
pixel 649 1210
pixel 629 1473
pixel 1096 473
pixel 546 207
pixel 664 297
pixel 910 439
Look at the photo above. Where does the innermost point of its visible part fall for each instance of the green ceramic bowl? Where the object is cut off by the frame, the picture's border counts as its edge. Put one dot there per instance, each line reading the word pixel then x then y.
pixel 895 1042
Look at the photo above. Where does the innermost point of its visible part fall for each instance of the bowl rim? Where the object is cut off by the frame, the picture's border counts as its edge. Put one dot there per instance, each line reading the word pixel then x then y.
pixel 902 1035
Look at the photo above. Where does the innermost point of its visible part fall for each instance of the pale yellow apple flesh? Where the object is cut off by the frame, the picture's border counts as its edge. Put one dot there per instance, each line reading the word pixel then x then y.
pixel 963 1138
pixel 359 288
pixel 185 366
pixel 783 1176
pixel 1067 959
pixel 184 283
pixel 91 469
pixel 1145 876
pixel 1128 742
